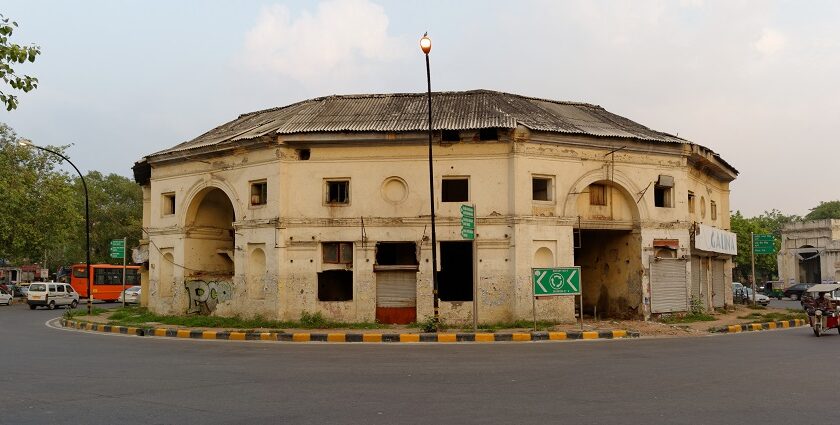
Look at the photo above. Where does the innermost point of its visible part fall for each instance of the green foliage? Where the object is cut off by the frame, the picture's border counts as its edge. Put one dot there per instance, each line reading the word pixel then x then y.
pixel 687 318
pixel 10 54
pixel 430 324
pixel 829 209
pixel 134 316
pixel 37 217
pixel 774 316
pixel 313 320
pixel 696 306
pixel 769 222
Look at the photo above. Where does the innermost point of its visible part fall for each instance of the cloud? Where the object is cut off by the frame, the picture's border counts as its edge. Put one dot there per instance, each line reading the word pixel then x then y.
pixel 771 41
pixel 342 38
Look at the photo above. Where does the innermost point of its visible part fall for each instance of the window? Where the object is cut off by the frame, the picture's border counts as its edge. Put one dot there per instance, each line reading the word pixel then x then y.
pixel 450 136
pixel 335 285
pixel 303 154
pixel 113 276
pixel 168 204
pixel 59 288
pixel 455 278
pixel 663 192
pixel 488 134
pixel 79 272
pixel 713 209
pixel 597 194
pixel 52 288
pixel 691 202
pixel 396 254
pixel 259 193
pixel 338 191
pixel 702 207
pixel 455 189
pixel 541 188
pixel 337 252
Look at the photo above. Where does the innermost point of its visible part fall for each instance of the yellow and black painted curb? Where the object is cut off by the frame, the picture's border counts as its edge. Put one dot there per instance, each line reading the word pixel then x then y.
pixel 763 326
pixel 351 337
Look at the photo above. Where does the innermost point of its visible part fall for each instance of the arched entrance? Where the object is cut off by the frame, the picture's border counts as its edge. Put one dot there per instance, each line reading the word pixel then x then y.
pixel 209 250
pixel 810 267
pixel 608 249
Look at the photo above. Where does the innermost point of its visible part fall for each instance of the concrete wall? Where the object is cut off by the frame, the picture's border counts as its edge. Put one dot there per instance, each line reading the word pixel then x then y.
pixel 389 202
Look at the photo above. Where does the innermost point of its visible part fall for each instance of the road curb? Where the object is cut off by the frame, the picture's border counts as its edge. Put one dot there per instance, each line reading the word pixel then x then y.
pixel 763 326
pixel 327 337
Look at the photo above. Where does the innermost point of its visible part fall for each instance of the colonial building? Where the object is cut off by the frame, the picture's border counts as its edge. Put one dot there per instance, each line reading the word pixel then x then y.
pixel 323 206
pixel 810 252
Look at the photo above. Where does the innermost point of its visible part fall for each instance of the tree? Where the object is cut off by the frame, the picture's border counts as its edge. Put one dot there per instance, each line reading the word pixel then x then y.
pixel 830 209
pixel 11 53
pixel 769 222
pixel 37 216
pixel 116 211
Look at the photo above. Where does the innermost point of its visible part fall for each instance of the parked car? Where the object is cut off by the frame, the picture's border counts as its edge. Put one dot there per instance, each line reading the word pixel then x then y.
pixel 760 298
pixel 795 292
pixel 5 297
pixel 131 295
pixel 51 295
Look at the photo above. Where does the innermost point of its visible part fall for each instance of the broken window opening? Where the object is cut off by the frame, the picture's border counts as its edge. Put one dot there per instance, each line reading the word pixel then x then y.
pixel 713 209
pixel 259 193
pixel 337 252
pixel 662 197
pixel 303 154
pixel 455 190
pixel 338 191
pixel 597 194
pixel 488 134
pixel 450 136
pixel 168 203
pixel 541 188
pixel 455 278
pixel 335 285
pixel 396 254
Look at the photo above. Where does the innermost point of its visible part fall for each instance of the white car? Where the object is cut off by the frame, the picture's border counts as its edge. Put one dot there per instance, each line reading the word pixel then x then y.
pixel 131 295
pixel 760 299
pixel 51 295
pixel 5 298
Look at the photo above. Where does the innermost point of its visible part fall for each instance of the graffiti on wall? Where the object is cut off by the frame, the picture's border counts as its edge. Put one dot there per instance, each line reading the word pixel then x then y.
pixel 204 296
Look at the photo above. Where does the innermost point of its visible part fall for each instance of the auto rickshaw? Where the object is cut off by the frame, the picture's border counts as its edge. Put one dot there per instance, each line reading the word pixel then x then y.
pixel 774 289
pixel 823 307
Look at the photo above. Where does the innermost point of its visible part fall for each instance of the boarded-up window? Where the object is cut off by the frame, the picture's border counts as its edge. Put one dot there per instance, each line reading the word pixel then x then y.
pixel 597 194
pixel 335 285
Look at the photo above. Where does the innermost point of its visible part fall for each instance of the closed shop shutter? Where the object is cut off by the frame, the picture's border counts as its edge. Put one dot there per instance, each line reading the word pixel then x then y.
pixel 396 288
pixel 718 283
pixel 697 279
pixel 668 291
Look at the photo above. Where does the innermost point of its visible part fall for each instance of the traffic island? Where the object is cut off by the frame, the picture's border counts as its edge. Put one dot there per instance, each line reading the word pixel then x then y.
pixel 351 337
pixel 748 327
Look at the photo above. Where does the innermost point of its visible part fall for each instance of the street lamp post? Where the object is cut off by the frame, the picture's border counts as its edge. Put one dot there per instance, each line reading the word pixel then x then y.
pixel 25 142
pixel 426 47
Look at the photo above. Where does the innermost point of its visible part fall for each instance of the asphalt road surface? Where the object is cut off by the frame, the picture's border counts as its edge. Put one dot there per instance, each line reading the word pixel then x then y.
pixel 59 376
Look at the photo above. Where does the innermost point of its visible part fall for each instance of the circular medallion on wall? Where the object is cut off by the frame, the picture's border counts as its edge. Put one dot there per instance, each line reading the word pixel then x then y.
pixel 394 190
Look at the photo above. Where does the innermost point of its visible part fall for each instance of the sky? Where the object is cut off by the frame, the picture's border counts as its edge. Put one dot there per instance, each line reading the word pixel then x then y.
pixel 755 81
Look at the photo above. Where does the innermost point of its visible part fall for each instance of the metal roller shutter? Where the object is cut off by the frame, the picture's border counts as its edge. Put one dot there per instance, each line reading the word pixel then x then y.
pixel 396 289
pixel 668 285
pixel 697 279
pixel 718 283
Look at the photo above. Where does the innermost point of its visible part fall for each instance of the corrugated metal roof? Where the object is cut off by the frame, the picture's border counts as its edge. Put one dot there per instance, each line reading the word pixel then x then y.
pixel 406 112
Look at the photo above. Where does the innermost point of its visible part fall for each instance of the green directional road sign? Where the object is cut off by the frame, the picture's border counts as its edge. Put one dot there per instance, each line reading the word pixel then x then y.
pixel 468 221
pixel 764 244
pixel 556 281
pixel 117 248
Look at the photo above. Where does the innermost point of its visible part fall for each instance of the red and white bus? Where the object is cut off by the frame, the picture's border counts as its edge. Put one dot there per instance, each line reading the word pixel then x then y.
pixel 107 280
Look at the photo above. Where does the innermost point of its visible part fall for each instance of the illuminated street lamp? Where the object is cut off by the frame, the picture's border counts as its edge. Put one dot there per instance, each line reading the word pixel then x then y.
pixel 26 142
pixel 426 47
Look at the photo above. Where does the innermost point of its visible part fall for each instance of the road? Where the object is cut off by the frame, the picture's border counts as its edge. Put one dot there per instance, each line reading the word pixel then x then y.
pixel 61 376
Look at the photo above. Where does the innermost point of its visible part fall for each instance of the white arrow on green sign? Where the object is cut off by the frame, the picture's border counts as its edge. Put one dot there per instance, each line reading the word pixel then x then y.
pixel 556 281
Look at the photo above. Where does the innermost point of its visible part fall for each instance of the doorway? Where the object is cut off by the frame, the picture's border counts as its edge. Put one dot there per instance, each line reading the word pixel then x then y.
pixel 611 273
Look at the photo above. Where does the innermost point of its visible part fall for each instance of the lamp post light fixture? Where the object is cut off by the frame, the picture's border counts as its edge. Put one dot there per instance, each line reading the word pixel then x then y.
pixel 26 142
pixel 426 47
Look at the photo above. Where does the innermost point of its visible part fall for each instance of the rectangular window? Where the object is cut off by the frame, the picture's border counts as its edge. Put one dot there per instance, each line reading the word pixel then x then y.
pixel 541 188
pixel 455 279
pixel 691 202
pixel 396 254
pixel 488 134
pixel 335 285
pixel 338 191
pixel 337 252
pixel 259 193
pixel 597 194
pixel 455 189
pixel 663 192
pixel 713 206
pixel 450 136
pixel 168 204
